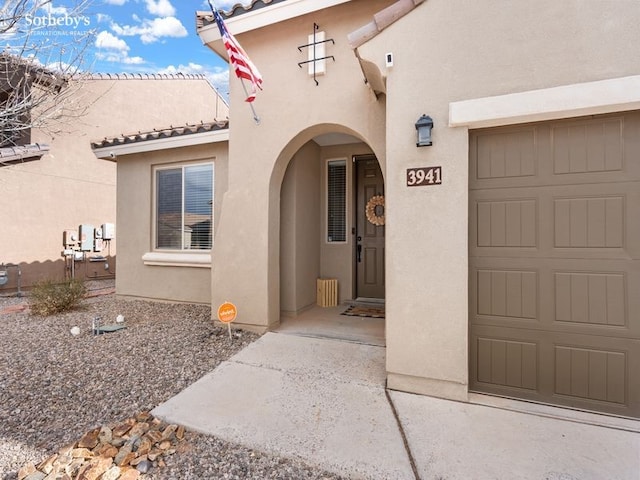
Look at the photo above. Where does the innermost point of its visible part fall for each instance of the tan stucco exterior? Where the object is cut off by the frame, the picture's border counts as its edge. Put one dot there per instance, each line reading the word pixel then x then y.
pixel 69 185
pixel 169 281
pixel 444 52
pixel 467 65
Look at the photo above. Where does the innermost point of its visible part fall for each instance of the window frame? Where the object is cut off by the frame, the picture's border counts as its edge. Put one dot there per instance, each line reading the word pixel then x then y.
pixel 161 252
pixel 347 175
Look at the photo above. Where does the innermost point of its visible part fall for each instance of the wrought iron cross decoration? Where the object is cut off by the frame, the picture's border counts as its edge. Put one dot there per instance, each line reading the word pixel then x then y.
pixel 313 54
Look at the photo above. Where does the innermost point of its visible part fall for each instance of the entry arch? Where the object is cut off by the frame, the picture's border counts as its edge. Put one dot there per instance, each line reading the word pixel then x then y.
pixel 303 145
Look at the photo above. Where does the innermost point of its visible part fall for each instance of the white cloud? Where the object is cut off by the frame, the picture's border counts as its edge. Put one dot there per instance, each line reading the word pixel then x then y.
pixel 49 8
pixel 108 41
pixel 151 31
pixel 103 17
pixel 133 60
pixel 226 5
pixel 115 2
pixel 161 8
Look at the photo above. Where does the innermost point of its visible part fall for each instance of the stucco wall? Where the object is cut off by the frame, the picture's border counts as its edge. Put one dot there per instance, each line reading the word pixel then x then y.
pixel 293 110
pixel 69 185
pixel 300 214
pixel 135 228
pixel 446 51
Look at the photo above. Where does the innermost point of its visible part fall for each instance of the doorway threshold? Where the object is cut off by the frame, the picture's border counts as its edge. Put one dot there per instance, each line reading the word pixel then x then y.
pixel 328 322
pixel 359 300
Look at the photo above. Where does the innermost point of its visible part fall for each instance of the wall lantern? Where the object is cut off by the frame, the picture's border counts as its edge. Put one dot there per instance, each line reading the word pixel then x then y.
pixel 423 127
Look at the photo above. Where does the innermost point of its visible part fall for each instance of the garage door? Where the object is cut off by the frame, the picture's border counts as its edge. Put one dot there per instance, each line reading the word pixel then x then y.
pixel 554 267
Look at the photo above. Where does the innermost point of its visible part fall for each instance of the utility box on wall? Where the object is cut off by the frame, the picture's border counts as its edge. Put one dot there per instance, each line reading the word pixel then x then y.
pixel 108 231
pixel 86 233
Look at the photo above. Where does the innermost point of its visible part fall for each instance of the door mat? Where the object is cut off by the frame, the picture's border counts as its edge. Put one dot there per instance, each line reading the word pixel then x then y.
pixel 364 311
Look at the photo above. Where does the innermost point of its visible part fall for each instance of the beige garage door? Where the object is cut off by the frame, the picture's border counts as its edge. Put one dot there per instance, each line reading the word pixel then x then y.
pixel 554 267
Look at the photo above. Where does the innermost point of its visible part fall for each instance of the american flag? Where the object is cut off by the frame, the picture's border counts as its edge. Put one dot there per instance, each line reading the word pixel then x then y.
pixel 243 66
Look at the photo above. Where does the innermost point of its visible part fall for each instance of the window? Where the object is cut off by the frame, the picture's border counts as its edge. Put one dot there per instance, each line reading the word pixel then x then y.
pixel 337 201
pixel 184 206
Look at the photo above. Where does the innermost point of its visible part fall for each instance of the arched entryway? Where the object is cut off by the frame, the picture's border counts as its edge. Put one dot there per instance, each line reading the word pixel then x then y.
pixel 331 219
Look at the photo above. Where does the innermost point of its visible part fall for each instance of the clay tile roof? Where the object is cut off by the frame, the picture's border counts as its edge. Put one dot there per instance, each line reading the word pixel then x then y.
pixel 206 18
pixel 24 153
pixel 144 76
pixel 382 20
pixel 161 133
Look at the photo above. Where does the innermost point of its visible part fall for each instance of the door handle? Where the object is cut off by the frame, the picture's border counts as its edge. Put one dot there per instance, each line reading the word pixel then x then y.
pixel 359 250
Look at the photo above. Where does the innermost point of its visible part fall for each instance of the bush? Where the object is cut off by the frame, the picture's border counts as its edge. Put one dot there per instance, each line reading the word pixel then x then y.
pixel 48 297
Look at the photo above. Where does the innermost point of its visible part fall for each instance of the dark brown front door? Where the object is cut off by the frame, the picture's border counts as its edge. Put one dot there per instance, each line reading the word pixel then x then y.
pixel 369 235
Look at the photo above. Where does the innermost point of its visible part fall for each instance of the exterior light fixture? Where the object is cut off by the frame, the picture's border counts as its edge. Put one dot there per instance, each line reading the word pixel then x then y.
pixel 423 127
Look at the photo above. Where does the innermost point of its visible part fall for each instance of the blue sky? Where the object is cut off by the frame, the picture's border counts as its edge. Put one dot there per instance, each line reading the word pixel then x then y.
pixel 135 36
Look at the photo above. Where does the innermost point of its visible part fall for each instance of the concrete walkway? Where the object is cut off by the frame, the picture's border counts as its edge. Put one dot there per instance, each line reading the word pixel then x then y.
pixel 324 401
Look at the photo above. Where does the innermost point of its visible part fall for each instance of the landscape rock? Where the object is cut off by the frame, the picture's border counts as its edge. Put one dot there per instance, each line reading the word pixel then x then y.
pixel 25 471
pixel 106 461
pixel 89 439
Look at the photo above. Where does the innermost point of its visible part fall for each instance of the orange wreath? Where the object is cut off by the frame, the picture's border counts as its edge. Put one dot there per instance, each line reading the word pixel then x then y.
pixel 370 210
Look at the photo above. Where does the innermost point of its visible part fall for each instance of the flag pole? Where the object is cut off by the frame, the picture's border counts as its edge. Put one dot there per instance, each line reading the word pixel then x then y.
pixel 256 118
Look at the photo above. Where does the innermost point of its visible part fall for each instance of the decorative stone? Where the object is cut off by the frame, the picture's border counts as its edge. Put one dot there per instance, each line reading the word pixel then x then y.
pixel 167 432
pixel 154 435
pixel 89 439
pixel 47 465
pixel 81 453
pixel 144 446
pixel 123 428
pixel 66 450
pixel 25 471
pixel 130 474
pixel 143 466
pixel 121 458
pixel 94 469
pixel 118 441
pixel 153 455
pixel 144 417
pixel 106 451
pixel 105 435
pixel 137 460
pixel 139 429
pixel 112 474
pixel 35 476
pixel 125 452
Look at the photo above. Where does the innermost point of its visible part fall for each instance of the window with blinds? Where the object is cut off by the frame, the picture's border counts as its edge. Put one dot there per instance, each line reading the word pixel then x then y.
pixel 337 201
pixel 184 207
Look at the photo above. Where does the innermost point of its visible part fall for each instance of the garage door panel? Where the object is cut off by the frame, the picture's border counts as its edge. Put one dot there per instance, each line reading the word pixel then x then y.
pixel 554 262
pixel 565 153
pixel 580 371
pixel 588 146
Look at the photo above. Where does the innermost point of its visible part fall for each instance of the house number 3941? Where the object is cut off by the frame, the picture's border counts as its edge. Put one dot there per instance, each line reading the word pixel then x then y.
pixel 425 176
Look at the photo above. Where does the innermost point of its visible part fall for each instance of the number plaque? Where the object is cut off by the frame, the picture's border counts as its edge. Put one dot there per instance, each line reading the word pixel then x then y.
pixel 425 176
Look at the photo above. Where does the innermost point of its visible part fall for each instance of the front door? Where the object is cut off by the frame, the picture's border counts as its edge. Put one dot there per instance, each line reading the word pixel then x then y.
pixel 370 217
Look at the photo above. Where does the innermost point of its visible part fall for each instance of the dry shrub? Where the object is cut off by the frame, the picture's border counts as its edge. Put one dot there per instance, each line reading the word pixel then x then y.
pixel 49 297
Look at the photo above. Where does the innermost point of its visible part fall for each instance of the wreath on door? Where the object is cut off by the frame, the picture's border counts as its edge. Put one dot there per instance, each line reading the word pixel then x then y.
pixel 370 210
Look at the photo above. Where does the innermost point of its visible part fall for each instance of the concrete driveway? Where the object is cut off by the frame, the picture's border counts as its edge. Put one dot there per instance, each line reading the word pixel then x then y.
pixel 324 401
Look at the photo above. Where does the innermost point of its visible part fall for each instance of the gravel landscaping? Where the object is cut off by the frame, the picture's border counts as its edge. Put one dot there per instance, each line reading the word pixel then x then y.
pixel 54 386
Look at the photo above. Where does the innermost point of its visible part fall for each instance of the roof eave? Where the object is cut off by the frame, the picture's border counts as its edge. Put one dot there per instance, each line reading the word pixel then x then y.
pixel 112 152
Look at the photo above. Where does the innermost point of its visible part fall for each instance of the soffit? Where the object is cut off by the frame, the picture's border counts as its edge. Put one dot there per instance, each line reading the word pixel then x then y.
pixel 257 15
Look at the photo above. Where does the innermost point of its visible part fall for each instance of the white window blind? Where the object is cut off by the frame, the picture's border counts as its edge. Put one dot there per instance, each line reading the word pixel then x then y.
pixel 184 206
pixel 337 201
